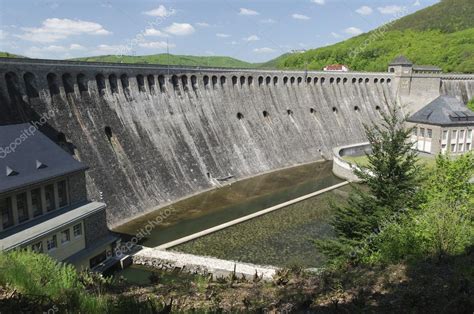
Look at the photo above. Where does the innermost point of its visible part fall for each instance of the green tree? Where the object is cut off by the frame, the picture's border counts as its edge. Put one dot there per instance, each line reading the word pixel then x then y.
pixel 470 104
pixel 391 179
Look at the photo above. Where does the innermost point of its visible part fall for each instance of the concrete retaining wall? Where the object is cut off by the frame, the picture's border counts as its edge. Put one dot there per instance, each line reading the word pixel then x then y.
pixel 344 169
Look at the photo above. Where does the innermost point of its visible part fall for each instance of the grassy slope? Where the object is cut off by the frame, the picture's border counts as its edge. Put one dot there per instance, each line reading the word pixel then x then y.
pixel 8 55
pixel 441 35
pixel 225 62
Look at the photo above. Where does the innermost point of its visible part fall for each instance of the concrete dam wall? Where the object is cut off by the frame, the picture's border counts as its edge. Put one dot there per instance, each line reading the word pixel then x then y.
pixel 152 135
pixel 461 86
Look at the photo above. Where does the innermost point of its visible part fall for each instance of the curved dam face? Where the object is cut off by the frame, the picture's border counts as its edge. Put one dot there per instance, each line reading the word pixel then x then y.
pixel 461 86
pixel 152 135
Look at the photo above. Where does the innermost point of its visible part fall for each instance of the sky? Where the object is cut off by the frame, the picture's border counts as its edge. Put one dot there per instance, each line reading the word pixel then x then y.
pixel 250 30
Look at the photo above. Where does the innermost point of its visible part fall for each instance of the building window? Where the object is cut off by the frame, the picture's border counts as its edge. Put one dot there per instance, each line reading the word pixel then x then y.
pixel 430 133
pixel 461 136
pixel 454 135
pixel 22 207
pixel 36 202
pixel 422 132
pixel 461 147
pixel 7 212
pixel 469 135
pixel 49 195
pixel 77 230
pixel 468 147
pixel 445 135
pixel 65 236
pixel 52 243
pixel 453 148
pixel 62 193
pixel 443 148
pixel 37 247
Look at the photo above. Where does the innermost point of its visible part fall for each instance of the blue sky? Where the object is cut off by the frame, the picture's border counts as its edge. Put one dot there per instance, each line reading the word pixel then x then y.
pixel 251 30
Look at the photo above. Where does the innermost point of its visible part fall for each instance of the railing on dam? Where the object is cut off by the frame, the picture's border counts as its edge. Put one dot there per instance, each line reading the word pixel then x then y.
pixel 28 77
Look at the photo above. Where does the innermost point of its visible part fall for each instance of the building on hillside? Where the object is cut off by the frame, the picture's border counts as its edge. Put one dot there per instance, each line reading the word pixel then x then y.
pixel 336 68
pixel 444 125
pixel 402 66
pixel 44 204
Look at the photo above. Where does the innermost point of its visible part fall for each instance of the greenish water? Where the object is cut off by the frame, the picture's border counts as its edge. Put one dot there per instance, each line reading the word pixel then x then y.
pixel 142 275
pixel 230 202
pixel 282 238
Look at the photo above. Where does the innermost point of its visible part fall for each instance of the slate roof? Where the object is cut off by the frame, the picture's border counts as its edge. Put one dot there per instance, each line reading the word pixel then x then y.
pixel 401 60
pixel 27 157
pixel 444 111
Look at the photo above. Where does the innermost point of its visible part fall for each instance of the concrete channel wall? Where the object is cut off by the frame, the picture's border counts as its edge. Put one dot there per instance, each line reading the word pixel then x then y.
pixel 344 169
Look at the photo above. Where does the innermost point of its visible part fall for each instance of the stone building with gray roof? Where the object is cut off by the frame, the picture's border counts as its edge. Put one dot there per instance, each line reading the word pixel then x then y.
pixel 444 125
pixel 44 204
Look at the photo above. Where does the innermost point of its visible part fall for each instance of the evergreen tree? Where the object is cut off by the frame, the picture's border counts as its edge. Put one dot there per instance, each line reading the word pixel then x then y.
pixel 390 182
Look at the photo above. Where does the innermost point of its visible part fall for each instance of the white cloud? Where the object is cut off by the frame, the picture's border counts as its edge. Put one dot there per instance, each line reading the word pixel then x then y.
pixel 55 29
pixel 156 45
pixel 155 32
pixel 233 42
pixel 76 47
pixel 112 49
pixel 268 21
pixel 320 2
pixel 252 38
pixel 244 11
pixel 264 50
pixel 202 24
pixel 417 3
pixel 365 10
pixel 300 16
pixel 353 31
pixel 221 35
pixel 180 29
pixel 335 35
pixel 390 9
pixel 161 11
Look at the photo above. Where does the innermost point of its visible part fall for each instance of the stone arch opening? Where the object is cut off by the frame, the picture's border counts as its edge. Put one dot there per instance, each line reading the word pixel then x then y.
pixel 184 81
pixel 376 81
pixel 334 109
pixel 108 133
pixel 68 83
pixel 141 83
pixel 275 80
pixel 292 80
pixel 30 84
pixel 331 80
pixel 223 80
pixel 344 81
pixel 382 81
pixel 392 70
pixel 268 80
pixel 214 81
pixel 389 81
pixel 124 81
pixel 242 80
pixel 308 80
pixel 289 112
pixel 300 80
pixel 377 108
pixel 13 86
pixel 205 80
pixel 285 80
pixel 367 80
pixel 113 83
pixel 161 83
pixel 175 81
pixel 250 80
pixel 315 81
pixel 356 108
pixel 361 80
pixel 53 83
pixel 266 114
pixel 240 116
pixel 100 81
pixel 194 82
pixel 354 80
pixel 260 80
pixel 338 80
pixel 82 83
pixel 312 110
pixel 151 82
pixel 323 79
pixel 61 138
pixel 234 80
